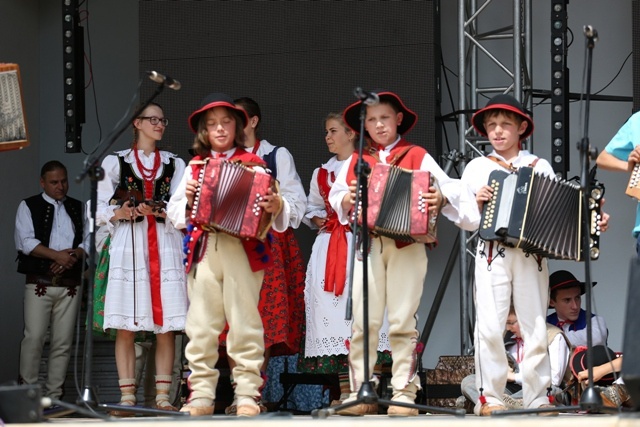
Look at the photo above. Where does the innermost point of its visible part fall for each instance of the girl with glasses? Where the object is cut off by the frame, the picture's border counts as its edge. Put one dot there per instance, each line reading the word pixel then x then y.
pixel 146 279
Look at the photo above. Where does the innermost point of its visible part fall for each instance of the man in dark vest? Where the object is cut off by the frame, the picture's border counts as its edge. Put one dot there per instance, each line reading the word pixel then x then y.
pixel 51 237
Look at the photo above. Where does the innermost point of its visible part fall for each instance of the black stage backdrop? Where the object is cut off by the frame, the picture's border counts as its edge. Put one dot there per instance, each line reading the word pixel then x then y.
pixel 298 59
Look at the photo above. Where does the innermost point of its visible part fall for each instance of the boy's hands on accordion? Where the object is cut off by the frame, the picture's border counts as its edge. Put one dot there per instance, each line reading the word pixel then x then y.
pixel 634 158
pixel 483 195
pixel 190 192
pixel 272 202
pixel 349 199
pixel 435 199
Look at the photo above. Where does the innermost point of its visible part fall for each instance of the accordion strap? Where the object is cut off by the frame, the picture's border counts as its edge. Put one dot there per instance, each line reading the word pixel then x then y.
pixel 395 159
pixel 509 166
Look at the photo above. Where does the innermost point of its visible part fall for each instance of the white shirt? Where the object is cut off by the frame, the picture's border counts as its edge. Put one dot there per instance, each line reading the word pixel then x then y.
pixel 599 332
pixel 62 231
pixel 291 188
pixel 559 353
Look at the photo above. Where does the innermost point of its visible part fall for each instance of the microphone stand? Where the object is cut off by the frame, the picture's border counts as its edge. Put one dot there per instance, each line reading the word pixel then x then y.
pixel 591 399
pixel 367 393
pixel 94 171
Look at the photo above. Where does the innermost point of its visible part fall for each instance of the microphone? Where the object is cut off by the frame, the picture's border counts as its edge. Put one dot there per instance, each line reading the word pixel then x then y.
pixel 369 98
pixel 590 32
pixel 164 80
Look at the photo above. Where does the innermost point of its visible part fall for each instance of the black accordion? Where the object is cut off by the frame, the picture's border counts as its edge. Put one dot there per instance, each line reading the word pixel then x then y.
pixel 541 215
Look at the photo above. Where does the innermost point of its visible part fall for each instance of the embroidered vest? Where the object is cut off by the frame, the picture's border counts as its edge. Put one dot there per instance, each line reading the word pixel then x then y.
pixel 129 181
pixel 42 217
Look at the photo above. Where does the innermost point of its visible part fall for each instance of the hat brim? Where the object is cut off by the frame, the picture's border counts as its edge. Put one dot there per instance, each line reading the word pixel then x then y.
pixel 194 118
pixel 351 114
pixel 601 355
pixel 478 119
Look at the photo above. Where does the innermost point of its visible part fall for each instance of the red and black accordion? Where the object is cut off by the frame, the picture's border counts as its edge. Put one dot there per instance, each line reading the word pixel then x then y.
pixel 227 199
pixel 541 215
pixel 396 207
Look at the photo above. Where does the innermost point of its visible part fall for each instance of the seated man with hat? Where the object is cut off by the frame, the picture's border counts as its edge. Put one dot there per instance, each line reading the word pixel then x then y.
pixel 566 292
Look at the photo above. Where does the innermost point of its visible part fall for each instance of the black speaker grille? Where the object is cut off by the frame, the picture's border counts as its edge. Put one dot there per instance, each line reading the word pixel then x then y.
pixel 298 60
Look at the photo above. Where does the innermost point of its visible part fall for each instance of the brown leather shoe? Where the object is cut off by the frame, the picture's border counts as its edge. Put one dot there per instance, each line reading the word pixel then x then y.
pixel 122 412
pixel 486 409
pixel 248 410
pixel 401 411
pixel 165 405
pixel 549 413
pixel 197 411
pixel 359 410
pixel 614 396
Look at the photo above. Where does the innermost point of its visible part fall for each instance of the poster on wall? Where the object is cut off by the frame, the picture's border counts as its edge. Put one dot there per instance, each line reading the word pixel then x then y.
pixel 13 124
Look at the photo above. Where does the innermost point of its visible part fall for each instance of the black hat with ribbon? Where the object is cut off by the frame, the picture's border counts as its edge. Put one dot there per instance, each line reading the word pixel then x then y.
pixel 563 279
pixel 601 355
pixel 351 114
pixel 502 102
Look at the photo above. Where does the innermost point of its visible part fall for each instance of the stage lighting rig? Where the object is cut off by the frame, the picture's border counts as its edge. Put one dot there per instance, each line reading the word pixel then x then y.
pixel 559 89
pixel 73 72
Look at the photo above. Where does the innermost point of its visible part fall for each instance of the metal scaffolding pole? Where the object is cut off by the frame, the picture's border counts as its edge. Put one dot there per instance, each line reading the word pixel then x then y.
pixel 477 50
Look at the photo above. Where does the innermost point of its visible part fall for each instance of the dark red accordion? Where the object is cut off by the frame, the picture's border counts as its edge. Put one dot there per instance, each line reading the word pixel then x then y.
pixel 227 199
pixel 397 208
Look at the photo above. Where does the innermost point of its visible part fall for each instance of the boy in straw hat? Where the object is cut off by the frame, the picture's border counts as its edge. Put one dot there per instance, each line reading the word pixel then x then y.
pixel 503 273
pixel 396 270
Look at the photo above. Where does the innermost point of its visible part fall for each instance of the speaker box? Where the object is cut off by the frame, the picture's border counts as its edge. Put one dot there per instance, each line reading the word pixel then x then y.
pixel 631 361
pixel 20 404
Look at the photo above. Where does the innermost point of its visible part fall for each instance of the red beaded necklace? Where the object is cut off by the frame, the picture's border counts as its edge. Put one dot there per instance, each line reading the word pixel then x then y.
pixel 147 174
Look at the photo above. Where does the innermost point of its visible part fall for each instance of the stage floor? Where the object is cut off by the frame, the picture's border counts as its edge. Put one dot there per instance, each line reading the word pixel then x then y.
pixel 282 419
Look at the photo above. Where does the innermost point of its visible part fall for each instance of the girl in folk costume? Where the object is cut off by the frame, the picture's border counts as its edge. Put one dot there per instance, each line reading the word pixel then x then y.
pixel 281 298
pixel 325 294
pixel 396 270
pixel 224 272
pixel 146 281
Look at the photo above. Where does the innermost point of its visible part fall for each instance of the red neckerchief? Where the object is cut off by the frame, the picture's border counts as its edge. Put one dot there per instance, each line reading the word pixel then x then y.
pixel 519 349
pixel 335 274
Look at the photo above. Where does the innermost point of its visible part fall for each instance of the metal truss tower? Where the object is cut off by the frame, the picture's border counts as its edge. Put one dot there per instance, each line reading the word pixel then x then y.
pixel 487 37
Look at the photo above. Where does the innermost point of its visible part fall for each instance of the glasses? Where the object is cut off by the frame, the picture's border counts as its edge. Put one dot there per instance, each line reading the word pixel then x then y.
pixel 512 323
pixel 155 120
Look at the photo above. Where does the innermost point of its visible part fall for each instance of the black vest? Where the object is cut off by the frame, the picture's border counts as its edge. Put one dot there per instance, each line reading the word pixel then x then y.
pixel 161 186
pixel 42 217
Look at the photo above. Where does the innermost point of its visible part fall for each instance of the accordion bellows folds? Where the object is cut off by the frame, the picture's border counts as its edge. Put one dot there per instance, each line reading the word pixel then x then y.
pixel 396 206
pixel 227 199
pixel 540 215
